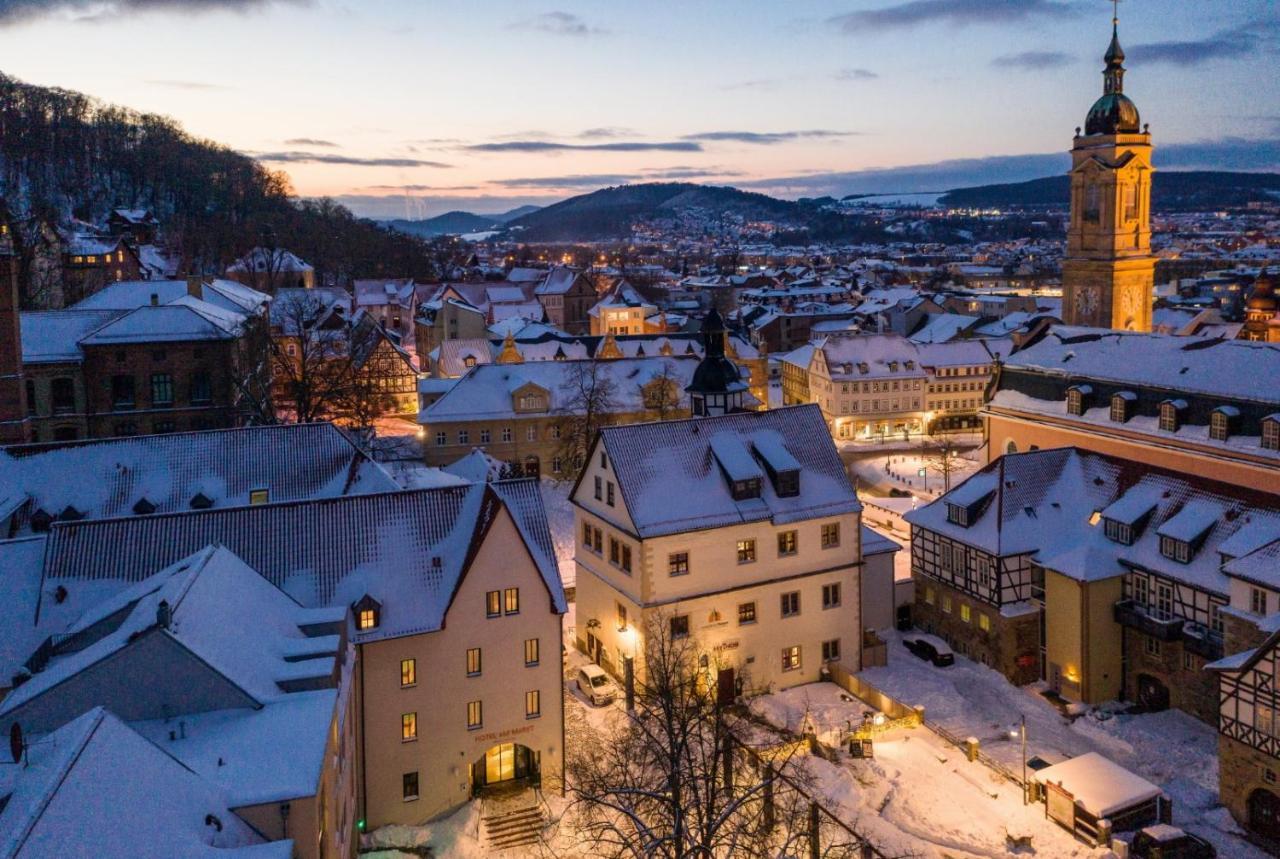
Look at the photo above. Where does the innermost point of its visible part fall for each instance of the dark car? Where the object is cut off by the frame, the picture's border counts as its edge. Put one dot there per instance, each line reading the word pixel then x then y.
pixel 1163 841
pixel 929 648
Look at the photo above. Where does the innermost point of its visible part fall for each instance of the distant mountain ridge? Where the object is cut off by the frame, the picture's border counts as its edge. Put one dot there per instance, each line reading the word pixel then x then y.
pixel 457 222
pixel 1189 190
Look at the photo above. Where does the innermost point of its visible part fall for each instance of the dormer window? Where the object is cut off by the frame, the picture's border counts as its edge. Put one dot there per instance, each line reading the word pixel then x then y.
pixel 788 484
pixel 1222 422
pixel 1175 550
pixel 1171 412
pixel 744 489
pixel 1122 406
pixel 368 612
pixel 910 365
pixel 1271 432
pixel 958 514
pixel 259 496
pixel 1118 532
pixel 1078 399
pixel 863 368
pixel 893 366
pixel 469 361
pixel 200 501
pixel 144 507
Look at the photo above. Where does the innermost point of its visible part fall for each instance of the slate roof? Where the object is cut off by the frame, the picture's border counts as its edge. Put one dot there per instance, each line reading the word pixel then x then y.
pixel 671 481
pixel 104 478
pixel 405 549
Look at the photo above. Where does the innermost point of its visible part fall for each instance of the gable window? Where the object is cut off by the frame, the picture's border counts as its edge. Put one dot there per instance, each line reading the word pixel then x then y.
pixel 599 488
pixel 408 727
pixel 493 603
pixel 474 664
pixel 831 595
pixel 746 613
pixel 791 604
pixel 831 650
pixel 680 626
pixel 615 551
pixel 746 551
pixel 475 715
pixel 788 543
pixel 532 704
pixel 1175 550
pixel 511 601
pixel 831 535
pixel 678 564
pixel 408 672
pixel 791 658
pixel 409 786
pixel 1257 601
pixel 608 494
pixel 531 651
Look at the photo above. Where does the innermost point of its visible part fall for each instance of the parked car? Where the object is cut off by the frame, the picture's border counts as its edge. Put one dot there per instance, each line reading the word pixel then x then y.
pixel 1163 841
pixel 596 685
pixel 929 648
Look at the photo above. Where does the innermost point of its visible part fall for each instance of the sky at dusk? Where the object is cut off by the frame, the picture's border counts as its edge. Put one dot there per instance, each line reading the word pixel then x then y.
pixel 406 108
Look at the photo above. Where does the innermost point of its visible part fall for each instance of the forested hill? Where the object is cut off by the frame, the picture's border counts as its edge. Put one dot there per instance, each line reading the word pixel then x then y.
pixel 1171 191
pixel 66 155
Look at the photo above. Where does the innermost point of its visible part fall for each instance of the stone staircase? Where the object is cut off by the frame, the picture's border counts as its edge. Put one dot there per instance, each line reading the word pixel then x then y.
pixel 512 824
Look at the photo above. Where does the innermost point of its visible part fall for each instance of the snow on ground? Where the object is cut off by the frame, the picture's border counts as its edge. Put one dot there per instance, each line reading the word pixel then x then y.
pixel 903 472
pixel 455 836
pixel 1171 748
pixel 919 795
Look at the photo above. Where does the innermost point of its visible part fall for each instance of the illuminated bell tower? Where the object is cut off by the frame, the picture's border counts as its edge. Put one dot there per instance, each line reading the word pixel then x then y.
pixel 1108 275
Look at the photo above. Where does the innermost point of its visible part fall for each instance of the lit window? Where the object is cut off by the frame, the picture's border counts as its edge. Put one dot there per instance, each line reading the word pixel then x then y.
pixel 408 727
pixel 791 658
pixel 532 704
pixel 830 535
pixel 259 496
pixel 965 613
pixel 473 661
pixel 408 672
pixel 984 622
pixel 493 603
pixel 791 604
pixel 368 618
pixel 746 613
pixel 531 651
pixel 746 551
pixel 788 543
pixel 475 715
pixel 511 601
pixel 409 786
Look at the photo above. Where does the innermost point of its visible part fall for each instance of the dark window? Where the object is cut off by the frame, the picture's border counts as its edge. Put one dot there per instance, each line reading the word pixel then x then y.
pixel 744 489
pixel 161 389
pixel 31 396
pixel 162 427
pixel 599 488
pixel 831 595
pixel 680 626
pixel 791 604
pixel 201 389
pixel 831 650
pixel 409 783
pixel 122 397
pixel 678 563
pixel 609 493
pixel 63 392
pixel 159 355
pixel 788 484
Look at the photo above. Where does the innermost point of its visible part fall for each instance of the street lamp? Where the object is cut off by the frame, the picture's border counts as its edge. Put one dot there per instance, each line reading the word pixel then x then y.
pixel 1021 732
pixel 627 641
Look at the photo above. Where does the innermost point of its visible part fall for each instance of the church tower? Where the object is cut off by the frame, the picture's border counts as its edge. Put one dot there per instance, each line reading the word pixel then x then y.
pixel 717 387
pixel 1108 275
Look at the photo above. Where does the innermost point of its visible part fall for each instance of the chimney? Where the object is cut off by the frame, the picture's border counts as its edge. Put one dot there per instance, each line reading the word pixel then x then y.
pixel 195 286
pixel 163 614
pixel 155 299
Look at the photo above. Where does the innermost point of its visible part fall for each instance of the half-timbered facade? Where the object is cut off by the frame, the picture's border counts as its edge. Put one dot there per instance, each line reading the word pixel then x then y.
pixel 1249 737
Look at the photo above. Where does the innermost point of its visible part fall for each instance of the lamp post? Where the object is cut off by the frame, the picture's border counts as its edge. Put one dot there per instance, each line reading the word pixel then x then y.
pixel 627 637
pixel 1023 732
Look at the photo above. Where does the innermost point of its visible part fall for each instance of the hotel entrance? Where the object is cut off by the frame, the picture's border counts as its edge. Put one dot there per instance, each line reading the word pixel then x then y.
pixel 505 763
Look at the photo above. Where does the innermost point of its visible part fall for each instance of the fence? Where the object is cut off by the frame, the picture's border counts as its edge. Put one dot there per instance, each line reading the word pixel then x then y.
pixel 899 715
pixel 982 757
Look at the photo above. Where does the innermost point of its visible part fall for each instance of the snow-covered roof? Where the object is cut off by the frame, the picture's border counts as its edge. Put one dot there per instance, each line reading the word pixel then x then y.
pixel 487 391
pixel 405 549
pixel 1101 786
pixel 875 543
pixel 559 281
pixel 1229 369
pixel 671 479
pixel 20 572
pixel 53 336
pixel 274 260
pixel 132 294
pixel 942 327
pixel 95 787
pixel 476 467
pixel 109 477
pixel 166 323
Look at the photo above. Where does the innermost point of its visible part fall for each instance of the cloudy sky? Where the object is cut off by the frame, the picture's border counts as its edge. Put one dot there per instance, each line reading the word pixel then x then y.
pixel 413 107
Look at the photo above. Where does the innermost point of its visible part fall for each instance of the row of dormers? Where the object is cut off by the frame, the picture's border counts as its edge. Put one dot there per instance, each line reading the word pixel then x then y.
pixel 1224 420
pixel 744 469
pixel 42 520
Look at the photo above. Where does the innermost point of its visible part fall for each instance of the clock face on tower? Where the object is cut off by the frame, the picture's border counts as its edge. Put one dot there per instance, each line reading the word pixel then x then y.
pixel 1086 303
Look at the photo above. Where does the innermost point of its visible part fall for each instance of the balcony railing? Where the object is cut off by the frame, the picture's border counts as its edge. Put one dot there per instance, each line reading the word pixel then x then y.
pixel 1164 626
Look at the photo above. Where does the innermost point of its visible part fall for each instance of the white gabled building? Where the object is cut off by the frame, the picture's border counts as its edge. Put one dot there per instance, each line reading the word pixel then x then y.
pixel 742 530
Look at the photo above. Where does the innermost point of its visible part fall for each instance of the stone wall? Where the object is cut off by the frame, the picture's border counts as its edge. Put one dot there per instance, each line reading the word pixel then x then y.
pixel 1191 688
pixel 1011 645
pixel 1243 769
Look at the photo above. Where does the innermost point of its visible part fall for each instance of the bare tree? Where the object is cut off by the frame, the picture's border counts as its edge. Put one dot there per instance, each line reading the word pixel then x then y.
pixel 588 402
pixel 662 394
pixel 308 356
pixel 675 781
pixel 944 458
